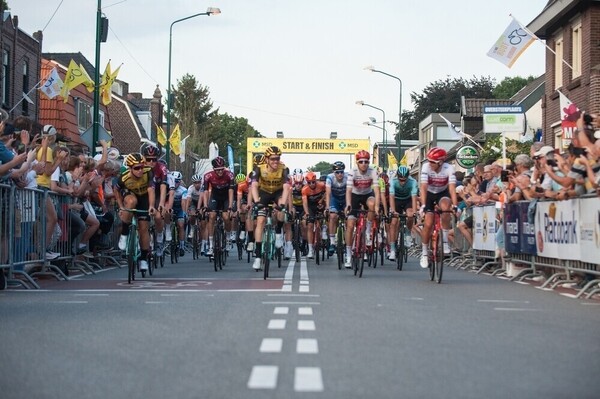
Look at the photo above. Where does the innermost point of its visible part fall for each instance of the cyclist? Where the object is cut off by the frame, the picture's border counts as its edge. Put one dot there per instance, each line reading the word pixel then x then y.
pixel 135 190
pixel 384 189
pixel 402 198
pixel 313 201
pixel 297 183
pixel 437 184
pixel 191 201
pixel 335 198
pixel 362 188
pixel 176 195
pixel 242 204
pixel 270 184
pixel 159 173
pixel 220 183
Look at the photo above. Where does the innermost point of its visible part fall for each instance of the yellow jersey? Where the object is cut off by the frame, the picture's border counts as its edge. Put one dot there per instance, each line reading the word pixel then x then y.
pixel 270 181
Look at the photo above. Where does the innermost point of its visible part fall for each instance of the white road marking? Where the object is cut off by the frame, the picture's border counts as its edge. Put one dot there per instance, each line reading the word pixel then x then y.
pixel 307 346
pixel 518 309
pixel 281 310
pixel 276 324
pixel 501 301
pixel 305 311
pixel 263 377
pixel 286 288
pixel 154 302
pixel 308 379
pixel 90 294
pixel 271 345
pixel 289 303
pixel 79 302
pixel 306 325
pixel 303 270
pixel 290 295
pixel 304 288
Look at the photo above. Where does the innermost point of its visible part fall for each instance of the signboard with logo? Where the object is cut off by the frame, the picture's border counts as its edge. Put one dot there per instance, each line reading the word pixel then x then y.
pixel 484 227
pixel 305 146
pixel 503 119
pixel 467 156
pixel 557 226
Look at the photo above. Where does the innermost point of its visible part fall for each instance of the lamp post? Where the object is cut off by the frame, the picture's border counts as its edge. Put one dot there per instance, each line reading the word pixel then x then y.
pixel 399 139
pixel 209 12
pixel 362 103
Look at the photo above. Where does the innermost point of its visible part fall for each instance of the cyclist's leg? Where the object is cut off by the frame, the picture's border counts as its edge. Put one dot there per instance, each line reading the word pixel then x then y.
pixel 310 234
pixel 445 206
pixel 427 228
pixel 129 202
pixel 143 231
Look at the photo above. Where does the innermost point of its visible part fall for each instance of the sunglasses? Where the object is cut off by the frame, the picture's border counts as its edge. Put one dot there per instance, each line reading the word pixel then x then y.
pixel 402 178
pixel 274 158
pixel 339 172
pixel 151 159
pixel 312 182
pixel 219 169
pixel 364 162
pixel 138 167
pixel 436 162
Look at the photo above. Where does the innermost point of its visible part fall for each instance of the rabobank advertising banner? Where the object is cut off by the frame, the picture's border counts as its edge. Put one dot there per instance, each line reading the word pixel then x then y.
pixel 557 229
pixel 589 227
pixel 484 227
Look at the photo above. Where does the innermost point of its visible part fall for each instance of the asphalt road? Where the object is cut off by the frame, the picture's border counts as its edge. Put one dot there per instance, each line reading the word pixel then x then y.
pixel 190 332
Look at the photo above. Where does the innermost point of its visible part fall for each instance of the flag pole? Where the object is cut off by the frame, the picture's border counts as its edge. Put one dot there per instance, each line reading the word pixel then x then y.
pixel 23 97
pixel 540 40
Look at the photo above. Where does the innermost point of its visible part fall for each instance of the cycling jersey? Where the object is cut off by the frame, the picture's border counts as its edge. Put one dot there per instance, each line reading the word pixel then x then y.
pixel 138 186
pixel 194 194
pixel 219 185
pixel 314 195
pixel 338 188
pixel 403 191
pixel 362 184
pixel 243 188
pixel 178 194
pixel 160 173
pixel 297 195
pixel 437 182
pixel 270 181
pixel 384 185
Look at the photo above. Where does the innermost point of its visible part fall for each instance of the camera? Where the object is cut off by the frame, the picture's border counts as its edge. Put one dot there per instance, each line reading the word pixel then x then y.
pixel 551 162
pixel 504 176
pixel 577 151
pixel 587 119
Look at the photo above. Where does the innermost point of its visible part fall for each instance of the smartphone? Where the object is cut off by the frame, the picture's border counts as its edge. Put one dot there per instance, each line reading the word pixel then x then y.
pixel 504 176
pixel 552 163
pixel 577 151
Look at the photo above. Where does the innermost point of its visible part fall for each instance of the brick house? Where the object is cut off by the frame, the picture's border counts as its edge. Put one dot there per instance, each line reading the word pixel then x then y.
pixel 572 29
pixel 21 63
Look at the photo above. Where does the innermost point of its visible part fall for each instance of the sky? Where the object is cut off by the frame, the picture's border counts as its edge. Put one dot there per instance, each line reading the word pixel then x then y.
pixel 293 66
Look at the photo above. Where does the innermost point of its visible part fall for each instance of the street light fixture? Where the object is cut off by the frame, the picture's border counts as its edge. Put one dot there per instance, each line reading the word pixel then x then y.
pixel 364 104
pixel 399 139
pixel 210 11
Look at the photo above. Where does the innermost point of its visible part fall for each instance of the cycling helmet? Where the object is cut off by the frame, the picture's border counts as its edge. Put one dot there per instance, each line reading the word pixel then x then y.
pixel 339 165
pixel 272 151
pixel 436 154
pixel 135 158
pixel 298 171
pixel 298 179
pixel 259 159
pixel 403 171
pixel 177 176
pixel 311 176
pixel 150 151
pixel 240 178
pixel 196 179
pixel 362 154
pixel 218 162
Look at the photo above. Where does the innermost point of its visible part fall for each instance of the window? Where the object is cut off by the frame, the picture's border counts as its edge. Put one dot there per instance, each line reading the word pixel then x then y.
pixel 5 77
pixel 25 102
pixel 558 64
pixel 576 45
pixel 84 114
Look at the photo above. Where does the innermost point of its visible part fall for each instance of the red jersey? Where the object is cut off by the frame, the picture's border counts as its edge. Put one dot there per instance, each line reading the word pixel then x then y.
pixel 314 195
pixel 219 184
pixel 160 173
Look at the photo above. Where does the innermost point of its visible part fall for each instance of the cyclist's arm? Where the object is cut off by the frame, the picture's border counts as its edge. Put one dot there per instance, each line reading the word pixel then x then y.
pixel 254 192
pixel 452 189
pixel 151 197
pixel 414 202
pixel 392 200
pixel 327 196
pixel 305 204
pixel 424 193
pixel 286 194
pixel 118 197
pixel 230 196
pixel 163 195
pixel 348 196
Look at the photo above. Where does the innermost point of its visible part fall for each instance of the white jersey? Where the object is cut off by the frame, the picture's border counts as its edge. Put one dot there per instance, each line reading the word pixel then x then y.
pixel 437 182
pixel 193 194
pixel 362 183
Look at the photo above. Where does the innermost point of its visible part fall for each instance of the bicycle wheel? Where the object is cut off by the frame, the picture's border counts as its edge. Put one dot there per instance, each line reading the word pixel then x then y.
pixel 439 257
pixel 279 255
pixel 131 262
pixel 296 238
pixel 400 249
pixel 217 242
pixel 195 243
pixel 266 251
pixel 239 243
pixel 340 246
pixel 431 252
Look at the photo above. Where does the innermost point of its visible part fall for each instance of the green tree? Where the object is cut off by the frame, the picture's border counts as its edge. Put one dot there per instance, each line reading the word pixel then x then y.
pixel 442 96
pixel 323 167
pixel 509 86
pixel 492 149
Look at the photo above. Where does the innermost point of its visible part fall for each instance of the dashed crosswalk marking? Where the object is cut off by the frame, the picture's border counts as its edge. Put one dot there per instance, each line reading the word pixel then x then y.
pixel 277 324
pixel 281 310
pixel 308 379
pixel 271 345
pixel 263 377
pixel 305 311
pixel 306 325
pixel 307 346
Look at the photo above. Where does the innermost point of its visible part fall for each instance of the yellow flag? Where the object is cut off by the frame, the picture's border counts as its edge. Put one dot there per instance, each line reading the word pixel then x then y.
pixel 88 82
pixel 404 160
pixel 392 161
pixel 160 135
pixel 73 78
pixel 107 92
pixel 104 78
pixel 175 140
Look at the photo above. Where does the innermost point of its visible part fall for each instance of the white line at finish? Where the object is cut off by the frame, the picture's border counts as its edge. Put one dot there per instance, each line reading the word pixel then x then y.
pixel 308 379
pixel 306 325
pixel 263 377
pixel 307 346
pixel 271 345
pixel 276 324
pixel 305 311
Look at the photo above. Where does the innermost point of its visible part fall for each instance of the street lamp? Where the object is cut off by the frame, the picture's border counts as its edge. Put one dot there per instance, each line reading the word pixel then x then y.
pixel 209 12
pixel 372 69
pixel 364 104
